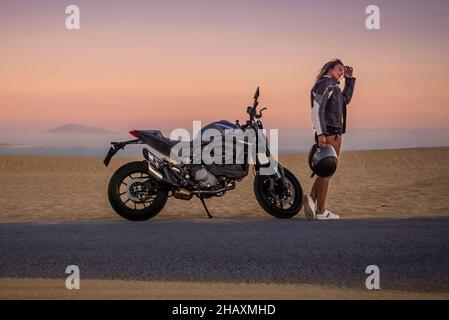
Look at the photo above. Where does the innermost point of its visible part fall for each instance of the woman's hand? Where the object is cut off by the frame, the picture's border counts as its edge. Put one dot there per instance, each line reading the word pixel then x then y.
pixel 348 71
pixel 321 140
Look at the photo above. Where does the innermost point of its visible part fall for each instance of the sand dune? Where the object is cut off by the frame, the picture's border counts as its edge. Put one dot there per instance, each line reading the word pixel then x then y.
pixel 387 184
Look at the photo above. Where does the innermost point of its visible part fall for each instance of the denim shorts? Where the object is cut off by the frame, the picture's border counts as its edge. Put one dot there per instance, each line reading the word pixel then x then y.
pixel 332 131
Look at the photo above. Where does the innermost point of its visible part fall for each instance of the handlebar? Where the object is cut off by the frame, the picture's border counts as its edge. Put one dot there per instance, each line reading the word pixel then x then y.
pixel 258 116
pixel 252 110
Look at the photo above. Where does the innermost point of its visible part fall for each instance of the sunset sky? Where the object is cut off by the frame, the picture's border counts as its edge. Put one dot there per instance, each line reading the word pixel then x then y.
pixel 162 64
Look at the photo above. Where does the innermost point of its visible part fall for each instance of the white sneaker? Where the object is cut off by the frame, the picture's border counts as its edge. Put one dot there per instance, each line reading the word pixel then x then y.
pixel 309 207
pixel 326 215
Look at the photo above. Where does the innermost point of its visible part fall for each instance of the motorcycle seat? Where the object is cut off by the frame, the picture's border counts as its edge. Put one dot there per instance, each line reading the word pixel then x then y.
pixel 156 134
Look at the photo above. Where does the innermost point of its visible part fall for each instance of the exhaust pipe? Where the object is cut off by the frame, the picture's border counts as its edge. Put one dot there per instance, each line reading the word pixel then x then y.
pixel 156 174
pixel 152 165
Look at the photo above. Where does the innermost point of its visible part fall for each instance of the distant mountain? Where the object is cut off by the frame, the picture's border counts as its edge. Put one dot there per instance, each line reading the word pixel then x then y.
pixel 73 128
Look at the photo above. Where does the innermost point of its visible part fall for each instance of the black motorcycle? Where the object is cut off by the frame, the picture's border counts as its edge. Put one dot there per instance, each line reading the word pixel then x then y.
pixel 139 190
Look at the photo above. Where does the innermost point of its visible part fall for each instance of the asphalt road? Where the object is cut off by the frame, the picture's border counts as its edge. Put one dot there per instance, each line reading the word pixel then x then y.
pixel 411 254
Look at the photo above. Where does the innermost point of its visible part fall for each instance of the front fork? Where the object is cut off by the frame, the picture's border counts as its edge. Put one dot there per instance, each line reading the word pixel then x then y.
pixel 266 164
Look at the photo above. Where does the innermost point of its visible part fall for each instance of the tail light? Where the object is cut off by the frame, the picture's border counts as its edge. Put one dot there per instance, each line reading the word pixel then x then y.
pixel 134 133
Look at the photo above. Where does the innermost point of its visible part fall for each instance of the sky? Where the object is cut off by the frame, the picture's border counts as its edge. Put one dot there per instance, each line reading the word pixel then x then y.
pixel 162 64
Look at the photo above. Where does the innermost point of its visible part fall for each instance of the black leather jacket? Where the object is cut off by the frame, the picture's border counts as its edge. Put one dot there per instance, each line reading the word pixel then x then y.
pixel 329 104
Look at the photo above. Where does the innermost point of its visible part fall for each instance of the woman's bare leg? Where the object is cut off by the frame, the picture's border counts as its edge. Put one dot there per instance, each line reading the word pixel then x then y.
pixel 313 192
pixel 321 185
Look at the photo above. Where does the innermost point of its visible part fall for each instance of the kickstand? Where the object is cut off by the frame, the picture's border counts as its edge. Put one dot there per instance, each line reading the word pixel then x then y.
pixel 205 208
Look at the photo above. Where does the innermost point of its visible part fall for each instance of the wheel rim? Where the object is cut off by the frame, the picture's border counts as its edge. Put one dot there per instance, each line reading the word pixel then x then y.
pixel 283 200
pixel 132 192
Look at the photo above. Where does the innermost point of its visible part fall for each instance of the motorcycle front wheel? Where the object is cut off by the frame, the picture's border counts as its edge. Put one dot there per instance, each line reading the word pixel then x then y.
pixel 134 194
pixel 274 199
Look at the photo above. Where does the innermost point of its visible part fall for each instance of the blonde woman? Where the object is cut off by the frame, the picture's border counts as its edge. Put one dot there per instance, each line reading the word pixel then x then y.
pixel 329 120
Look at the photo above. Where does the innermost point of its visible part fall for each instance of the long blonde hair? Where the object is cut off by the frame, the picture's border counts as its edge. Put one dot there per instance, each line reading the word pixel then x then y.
pixel 329 65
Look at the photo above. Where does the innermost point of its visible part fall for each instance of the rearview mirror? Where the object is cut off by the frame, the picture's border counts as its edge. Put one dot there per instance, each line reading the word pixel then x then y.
pixel 256 95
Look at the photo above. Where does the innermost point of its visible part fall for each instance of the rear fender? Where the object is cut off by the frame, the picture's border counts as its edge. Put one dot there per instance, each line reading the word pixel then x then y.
pixel 116 146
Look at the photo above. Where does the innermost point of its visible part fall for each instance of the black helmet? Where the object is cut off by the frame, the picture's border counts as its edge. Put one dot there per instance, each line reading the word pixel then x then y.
pixel 323 161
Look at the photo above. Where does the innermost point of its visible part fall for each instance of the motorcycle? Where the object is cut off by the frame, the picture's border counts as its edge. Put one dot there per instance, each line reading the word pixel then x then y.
pixel 139 190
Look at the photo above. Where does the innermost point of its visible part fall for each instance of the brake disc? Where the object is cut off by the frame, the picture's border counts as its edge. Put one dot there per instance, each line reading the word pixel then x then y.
pixel 287 197
pixel 290 193
pixel 135 190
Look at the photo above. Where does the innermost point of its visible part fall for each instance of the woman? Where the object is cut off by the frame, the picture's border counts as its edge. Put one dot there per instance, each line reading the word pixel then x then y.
pixel 329 120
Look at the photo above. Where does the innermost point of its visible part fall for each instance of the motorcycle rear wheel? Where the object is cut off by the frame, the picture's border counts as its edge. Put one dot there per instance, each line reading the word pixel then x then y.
pixel 130 198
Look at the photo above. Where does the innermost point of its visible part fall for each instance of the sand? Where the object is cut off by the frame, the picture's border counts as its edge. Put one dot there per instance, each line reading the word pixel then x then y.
pixel 381 183
pixel 119 289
